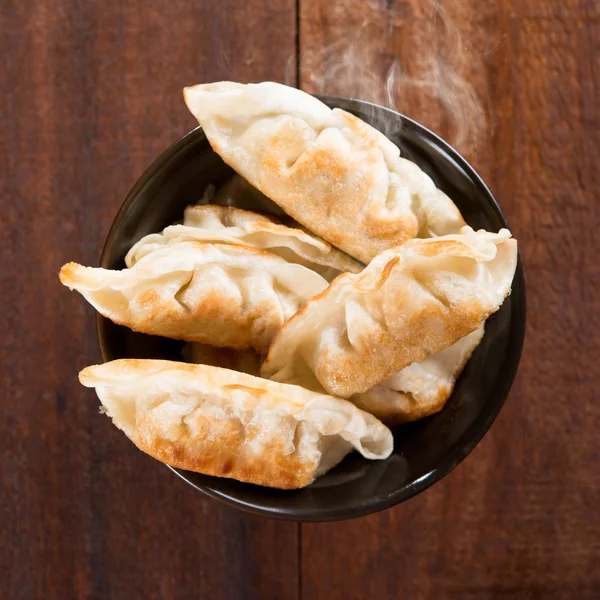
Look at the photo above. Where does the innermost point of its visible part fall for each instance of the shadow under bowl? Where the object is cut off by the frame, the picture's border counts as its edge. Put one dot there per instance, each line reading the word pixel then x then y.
pixel 424 451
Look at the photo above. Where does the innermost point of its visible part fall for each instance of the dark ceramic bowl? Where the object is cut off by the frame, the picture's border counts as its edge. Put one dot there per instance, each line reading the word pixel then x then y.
pixel 424 451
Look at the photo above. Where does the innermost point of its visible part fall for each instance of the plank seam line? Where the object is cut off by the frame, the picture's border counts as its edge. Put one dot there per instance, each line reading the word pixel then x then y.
pixel 299 561
pixel 297 49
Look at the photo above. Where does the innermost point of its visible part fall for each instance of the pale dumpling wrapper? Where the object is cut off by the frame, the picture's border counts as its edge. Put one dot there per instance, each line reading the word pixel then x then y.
pixel 421 389
pixel 408 303
pixel 231 225
pixel 219 422
pixel 216 294
pixel 330 171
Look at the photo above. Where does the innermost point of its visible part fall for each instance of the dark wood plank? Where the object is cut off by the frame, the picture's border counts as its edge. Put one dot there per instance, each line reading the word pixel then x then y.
pixel 519 518
pixel 411 56
pixel 91 94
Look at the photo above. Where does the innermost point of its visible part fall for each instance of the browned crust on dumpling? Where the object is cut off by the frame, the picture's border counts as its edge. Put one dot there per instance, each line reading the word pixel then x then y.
pixel 421 408
pixel 392 343
pixel 380 348
pixel 257 392
pixel 216 447
pixel 391 414
pixel 216 435
pixel 225 322
pixel 229 424
pixel 360 233
pixel 384 275
pixel 67 273
pixel 334 173
pixel 435 247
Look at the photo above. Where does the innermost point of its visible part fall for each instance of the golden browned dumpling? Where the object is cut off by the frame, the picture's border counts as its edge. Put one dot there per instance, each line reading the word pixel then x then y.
pixel 421 389
pixel 330 171
pixel 219 422
pixel 410 302
pixel 216 294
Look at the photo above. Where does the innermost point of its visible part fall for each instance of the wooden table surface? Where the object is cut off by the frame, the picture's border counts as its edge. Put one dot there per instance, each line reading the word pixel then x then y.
pixel 91 94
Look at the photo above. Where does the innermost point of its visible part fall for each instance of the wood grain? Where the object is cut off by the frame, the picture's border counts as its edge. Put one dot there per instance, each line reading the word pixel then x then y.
pixel 518 519
pixel 91 95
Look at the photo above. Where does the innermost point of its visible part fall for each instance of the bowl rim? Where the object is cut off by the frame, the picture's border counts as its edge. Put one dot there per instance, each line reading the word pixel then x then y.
pixel 461 447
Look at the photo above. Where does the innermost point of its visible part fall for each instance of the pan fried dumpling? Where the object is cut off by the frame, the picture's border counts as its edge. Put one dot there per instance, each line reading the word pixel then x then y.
pixel 421 389
pixel 219 422
pixel 410 302
pixel 217 294
pixel 330 171
pixel 227 224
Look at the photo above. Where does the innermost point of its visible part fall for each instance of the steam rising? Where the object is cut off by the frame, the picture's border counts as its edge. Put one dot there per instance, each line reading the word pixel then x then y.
pixel 415 61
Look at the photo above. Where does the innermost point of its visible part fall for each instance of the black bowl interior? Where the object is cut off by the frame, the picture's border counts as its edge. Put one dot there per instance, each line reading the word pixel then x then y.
pixel 424 451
